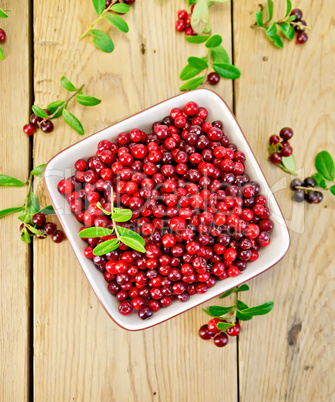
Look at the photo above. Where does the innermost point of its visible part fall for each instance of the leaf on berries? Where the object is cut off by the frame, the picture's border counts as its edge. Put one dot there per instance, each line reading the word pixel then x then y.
pixel 87 100
pixel 196 39
pixel 242 316
pixel 120 8
pixel 286 29
pixel 270 9
pixel 240 305
pixel 106 247
pixel 259 18
pixel 217 311
pixel 8 181
pixel 35 231
pixel 273 36
pixel 25 217
pixel 332 189
pixel 226 70
pixel 214 41
pixel 199 18
pixel 99 6
pixel 262 309
pixel 38 171
pixel 197 62
pixel 48 210
pixel 73 122
pixel 320 180
pixel 220 55
pixel 53 106
pixel 25 235
pixel 122 215
pixel 3 14
pixel 192 84
pixel 242 288
pixel 67 84
pixel 324 164
pixel 288 7
pixel 223 326
pixel 39 112
pixel 33 205
pixel 102 41
pixel 292 18
pixel 189 72
pixel 226 294
pixel 94 232
pixel 10 211
pixel 289 163
pixel 130 234
pixel 102 209
pixel 118 22
pixel 1 54
pixel 133 243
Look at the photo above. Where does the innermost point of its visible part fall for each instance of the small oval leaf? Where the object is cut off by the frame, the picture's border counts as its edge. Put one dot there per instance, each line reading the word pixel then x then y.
pixel 73 122
pixel 133 243
pixel 189 72
pixel 8 181
pixel 3 14
pixel 197 62
pixel 214 41
pixel 38 171
pixel 129 233
pixel 122 215
pixel 10 211
pixel 53 106
pixel 118 22
pixel 120 8
pixel 39 112
pixel 197 38
pixel 33 205
pixel 192 84
pixel 94 232
pixel 67 84
pixel 324 164
pixel 102 41
pixel 106 247
pixel 99 6
pixel 227 70
pixel 87 100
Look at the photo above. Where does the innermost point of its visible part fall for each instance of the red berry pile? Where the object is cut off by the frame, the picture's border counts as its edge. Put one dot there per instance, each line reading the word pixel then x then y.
pixel 183 23
pixel 301 34
pixel 220 338
pixel 201 217
pixel 280 146
pixel 37 122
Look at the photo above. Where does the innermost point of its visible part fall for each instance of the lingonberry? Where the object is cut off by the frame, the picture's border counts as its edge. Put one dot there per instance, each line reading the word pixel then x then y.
pixel 29 129
pixel 298 195
pixel 49 228
pixel 274 139
pixel 125 307
pixel 221 340
pixel 234 331
pixel 286 133
pixel 213 78
pixel 47 126
pixel 275 158
pixel 297 13
pixel 309 182
pixel 205 333
pixel 58 236
pixel 301 38
pixel 2 35
pixel 212 325
pixel 38 219
pixel 286 151
pixel 296 183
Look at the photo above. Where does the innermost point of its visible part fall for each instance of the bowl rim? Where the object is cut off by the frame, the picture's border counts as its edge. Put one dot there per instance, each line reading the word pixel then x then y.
pixel 133 115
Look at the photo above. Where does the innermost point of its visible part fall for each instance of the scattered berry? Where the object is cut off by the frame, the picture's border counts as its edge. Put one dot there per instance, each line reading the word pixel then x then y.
pixel 29 129
pixel 2 35
pixel 213 78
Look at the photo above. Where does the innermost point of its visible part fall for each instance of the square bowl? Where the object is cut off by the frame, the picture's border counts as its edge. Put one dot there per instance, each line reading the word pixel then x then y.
pixel 62 165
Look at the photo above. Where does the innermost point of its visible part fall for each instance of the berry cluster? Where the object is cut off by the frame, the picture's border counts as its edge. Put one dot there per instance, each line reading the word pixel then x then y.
pixel 220 338
pixel 43 228
pixel 298 25
pixel 302 190
pixel 38 122
pixel 183 23
pixel 280 146
pixel 201 217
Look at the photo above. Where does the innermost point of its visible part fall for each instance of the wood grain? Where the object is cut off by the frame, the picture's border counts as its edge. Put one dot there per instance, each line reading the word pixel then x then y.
pixel 80 354
pixel 288 355
pixel 14 161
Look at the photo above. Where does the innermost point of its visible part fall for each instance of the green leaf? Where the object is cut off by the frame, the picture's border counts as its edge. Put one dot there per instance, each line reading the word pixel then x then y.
pixel 189 72
pixel 94 232
pixel 129 233
pixel 33 204
pixel 38 171
pixel 25 217
pixel 53 106
pixel 226 294
pixel 3 14
pixel 39 112
pixel 72 121
pixel 242 316
pixel 324 164
pixel 259 18
pixel 192 84
pixel 10 211
pixel 320 180
pixel 102 41
pixel 197 62
pixel 67 84
pixel 103 210
pixel 133 243
pixel 118 22
pixel 223 326
pixel 48 210
pixel 288 7
pixel 106 246
pixel 241 306
pixel 270 9
pixel 289 163
pixel 226 70
pixel 242 288
pixel 25 235
pixel 87 100
pixel 217 311
pixel 273 36
pixel 120 8
pixel 122 215
pixel 1 54
pixel 191 2
pixel 286 29
pixel 35 231
pixel 199 18
pixel 292 18
pixel 99 6
pixel 197 38
pixel 8 181
pixel 220 55
pixel 332 189
pixel 262 309
pixel 214 41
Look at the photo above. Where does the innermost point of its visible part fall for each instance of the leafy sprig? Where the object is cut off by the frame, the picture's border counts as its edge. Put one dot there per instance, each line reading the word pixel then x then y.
pixel 30 205
pixel 238 311
pixel 59 108
pixel 100 39
pixel 2 15
pixel 325 166
pixel 217 58
pixel 286 24
pixel 118 234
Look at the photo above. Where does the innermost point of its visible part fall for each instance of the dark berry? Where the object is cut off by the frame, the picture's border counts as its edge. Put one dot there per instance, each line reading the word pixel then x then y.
pixel 299 195
pixel 58 236
pixel 221 340
pixel 286 133
pixel 205 333
pixel 50 228
pixel 309 182
pixel 298 14
pixel 213 78
pixel 275 158
pixel 301 38
pixel 38 219
pixel 296 183
pixel 286 151
pixel 299 28
pixel 319 195
pixel 47 126
pixel 311 196
pixel 34 119
pixel 145 312
pixel 274 139
pixel 2 35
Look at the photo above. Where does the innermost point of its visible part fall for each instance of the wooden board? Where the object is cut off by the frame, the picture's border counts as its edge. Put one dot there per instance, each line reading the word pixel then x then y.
pixel 288 355
pixel 14 161
pixel 80 354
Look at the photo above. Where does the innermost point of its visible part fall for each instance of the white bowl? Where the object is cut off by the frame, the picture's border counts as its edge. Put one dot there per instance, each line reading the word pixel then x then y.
pixel 62 165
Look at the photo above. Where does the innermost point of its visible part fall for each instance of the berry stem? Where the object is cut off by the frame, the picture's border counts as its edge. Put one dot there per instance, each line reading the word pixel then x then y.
pixel 96 21
pixel 310 188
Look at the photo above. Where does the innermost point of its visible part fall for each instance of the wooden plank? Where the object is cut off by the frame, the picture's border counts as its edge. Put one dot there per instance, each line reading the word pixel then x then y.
pixel 288 354
pixel 80 354
pixel 14 161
